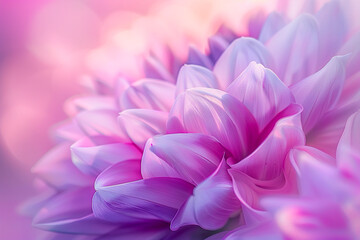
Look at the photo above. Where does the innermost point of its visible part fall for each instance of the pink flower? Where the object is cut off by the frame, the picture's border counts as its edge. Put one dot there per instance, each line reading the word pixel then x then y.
pixel 188 151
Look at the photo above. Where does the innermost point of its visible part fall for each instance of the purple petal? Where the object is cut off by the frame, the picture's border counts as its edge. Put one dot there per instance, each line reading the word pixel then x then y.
pixel 142 124
pixel 191 76
pixel 211 204
pixel 193 156
pixel 332 30
pixel 155 69
pixel 295 49
pixel 237 57
pixel 267 161
pixel 320 92
pixel 93 155
pixel 272 25
pixel 149 94
pixel 262 92
pixel 57 169
pixel 348 150
pixel 198 58
pixel 217 46
pixel 218 114
pixel 70 212
pixel 143 200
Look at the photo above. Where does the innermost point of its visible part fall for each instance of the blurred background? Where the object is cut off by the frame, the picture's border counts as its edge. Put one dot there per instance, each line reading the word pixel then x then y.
pixel 48 48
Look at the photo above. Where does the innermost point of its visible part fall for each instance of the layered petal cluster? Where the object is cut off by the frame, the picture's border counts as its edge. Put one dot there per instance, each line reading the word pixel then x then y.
pixel 189 151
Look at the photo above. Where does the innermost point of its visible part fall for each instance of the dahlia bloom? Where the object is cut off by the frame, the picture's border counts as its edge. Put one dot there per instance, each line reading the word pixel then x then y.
pixel 189 151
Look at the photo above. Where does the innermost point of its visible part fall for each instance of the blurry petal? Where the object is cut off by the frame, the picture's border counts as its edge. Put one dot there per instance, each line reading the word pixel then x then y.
pixel 267 161
pixel 191 76
pixel 320 92
pixel 78 104
pixel 100 122
pixel 217 46
pixel 57 169
pixel 155 69
pixel 198 58
pixel 70 212
pixel 139 201
pixel 348 150
pixel 237 57
pixel 295 49
pixel 218 114
pixel 265 230
pixel 272 25
pixel 211 204
pixel 332 30
pixel 93 155
pixel 193 156
pixel 149 94
pixel 262 92
pixel 142 124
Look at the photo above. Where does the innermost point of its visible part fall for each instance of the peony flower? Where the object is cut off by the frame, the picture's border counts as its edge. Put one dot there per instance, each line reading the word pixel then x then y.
pixel 188 151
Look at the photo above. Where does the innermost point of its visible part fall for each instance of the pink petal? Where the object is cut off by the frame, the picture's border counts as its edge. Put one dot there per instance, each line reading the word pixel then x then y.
pixel 320 92
pixel 121 172
pixel 93 155
pixel 295 49
pixel 191 76
pixel 348 150
pixel 155 69
pixel 211 204
pixel 143 200
pixel 78 104
pixel 237 57
pixel 193 156
pixel 218 114
pixel 100 122
pixel 142 124
pixel 57 169
pixel 267 161
pixel 149 94
pixel 261 91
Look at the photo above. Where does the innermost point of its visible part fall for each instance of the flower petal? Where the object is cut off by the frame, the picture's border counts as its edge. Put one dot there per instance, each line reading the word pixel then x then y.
pixel 193 156
pixel 272 25
pixel 262 92
pixel 155 69
pixel 56 167
pixel 320 92
pixel 211 204
pixel 348 150
pixel 144 200
pixel 191 76
pixel 217 46
pixel 149 94
pixel 198 58
pixel 121 172
pixel 295 49
pixel 218 114
pixel 267 161
pixel 93 155
pixel 70 212
pixel 142 124
pixel 237 57
pixel 332 30
pixel 100 122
